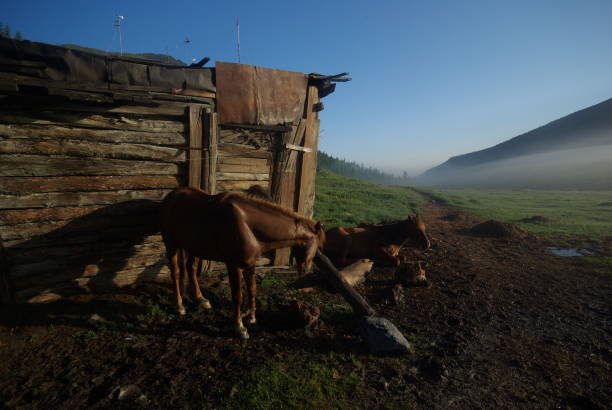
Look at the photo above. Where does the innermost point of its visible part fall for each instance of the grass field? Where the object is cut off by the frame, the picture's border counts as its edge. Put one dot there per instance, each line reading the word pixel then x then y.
pixel 342 201
pixel 568 215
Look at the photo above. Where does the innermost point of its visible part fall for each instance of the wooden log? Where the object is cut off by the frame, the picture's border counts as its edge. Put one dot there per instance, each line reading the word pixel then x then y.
pixel 114 136
pixel 244 151
pixel 335 279
pixel 194 175
pixel 23 165
pixel 167 109
pixel 91 149
pixel 210 154
pixel 284 180
pixel 261 162
pixel 22 216
pixel 56 199
pixel 32 185
pixel 245 168
pixel 6 286
pixel 118 122
pixel 239 185
pixel 18 255
pixel 308 168
pixel 59 252
pixel 194 93
pixel 242 176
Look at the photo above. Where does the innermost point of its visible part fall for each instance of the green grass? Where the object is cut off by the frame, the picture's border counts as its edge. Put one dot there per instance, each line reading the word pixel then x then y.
pixel 342 201
pixel 318 384
pixel 573 215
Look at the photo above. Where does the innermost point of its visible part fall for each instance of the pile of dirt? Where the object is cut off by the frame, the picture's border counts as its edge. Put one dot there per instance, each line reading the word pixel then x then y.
pixel 497 229
pixel 538 219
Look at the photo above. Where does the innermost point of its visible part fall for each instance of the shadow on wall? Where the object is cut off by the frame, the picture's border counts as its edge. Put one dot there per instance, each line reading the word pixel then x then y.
pixel 103 250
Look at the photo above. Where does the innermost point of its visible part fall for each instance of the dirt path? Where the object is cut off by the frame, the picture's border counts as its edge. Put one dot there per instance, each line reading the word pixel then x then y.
pixel 504 324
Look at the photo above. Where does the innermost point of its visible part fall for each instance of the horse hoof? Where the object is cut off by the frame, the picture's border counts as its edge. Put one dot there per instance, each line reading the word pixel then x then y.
pixel 242 333
pixel 251 321
pixel 182 311
pixel 205 304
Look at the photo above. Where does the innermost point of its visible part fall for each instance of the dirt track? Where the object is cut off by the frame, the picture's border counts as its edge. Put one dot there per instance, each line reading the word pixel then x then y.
pixel 504 324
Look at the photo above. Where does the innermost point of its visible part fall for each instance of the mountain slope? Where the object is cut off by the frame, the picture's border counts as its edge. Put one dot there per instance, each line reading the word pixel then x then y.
pixel 564 141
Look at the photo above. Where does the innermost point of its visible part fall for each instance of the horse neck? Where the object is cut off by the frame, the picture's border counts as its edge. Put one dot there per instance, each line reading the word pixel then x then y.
pixel 276 223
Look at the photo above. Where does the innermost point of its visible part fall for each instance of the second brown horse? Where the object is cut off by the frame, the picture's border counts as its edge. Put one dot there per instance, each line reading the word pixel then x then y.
pixel 234 229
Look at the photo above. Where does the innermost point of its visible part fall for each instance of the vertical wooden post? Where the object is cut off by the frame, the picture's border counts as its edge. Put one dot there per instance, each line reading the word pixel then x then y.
pixel 195 146
pixel 284 180
pixel 209 161
pixel 306 184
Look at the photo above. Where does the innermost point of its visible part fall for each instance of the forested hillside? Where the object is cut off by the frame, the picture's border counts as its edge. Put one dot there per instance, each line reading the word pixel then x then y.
pixel 352 169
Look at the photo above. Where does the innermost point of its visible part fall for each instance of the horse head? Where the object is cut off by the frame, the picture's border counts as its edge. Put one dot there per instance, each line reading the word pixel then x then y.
pixel 304 254
pixel 415 230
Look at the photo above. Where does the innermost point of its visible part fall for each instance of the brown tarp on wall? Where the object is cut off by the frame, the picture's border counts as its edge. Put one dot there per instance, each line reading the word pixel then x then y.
pixel 260 96
pixel 46 61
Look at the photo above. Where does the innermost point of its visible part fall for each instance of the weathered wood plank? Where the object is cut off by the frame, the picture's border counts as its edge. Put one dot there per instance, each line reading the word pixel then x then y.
pixel 22 216
pixel 194 175
pixel 113 136
pixel 32 185
pixel 118 122
pixel 92 149
pixel 244 168
pixel 244 151
pixel 239 185
pixel 243 161
pixel 308 168
pixel 210 154
pixel 22 165
pixel 169 109
pixel 24 255
pixel 56 199
pixel 242 176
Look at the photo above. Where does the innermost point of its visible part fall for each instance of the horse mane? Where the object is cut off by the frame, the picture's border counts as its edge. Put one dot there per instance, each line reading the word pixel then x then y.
pixel 264 203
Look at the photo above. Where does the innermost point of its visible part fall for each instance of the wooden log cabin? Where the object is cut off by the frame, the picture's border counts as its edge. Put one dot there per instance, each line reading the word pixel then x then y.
pixel 90 144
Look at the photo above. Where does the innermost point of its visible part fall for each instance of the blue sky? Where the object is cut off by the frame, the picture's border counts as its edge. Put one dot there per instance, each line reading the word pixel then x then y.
pixel 431 79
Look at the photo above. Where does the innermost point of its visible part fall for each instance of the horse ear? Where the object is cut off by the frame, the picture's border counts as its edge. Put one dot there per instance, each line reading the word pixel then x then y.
pixel 319 226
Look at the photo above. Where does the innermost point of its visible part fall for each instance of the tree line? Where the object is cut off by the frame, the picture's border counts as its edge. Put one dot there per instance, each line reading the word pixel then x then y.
pixel 5 31
pixel 351 169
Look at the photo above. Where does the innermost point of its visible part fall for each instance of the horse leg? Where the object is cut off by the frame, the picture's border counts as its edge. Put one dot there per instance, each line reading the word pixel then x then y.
pixel 173 258
pixel 235 278
pixel 194 265
pixel 251 287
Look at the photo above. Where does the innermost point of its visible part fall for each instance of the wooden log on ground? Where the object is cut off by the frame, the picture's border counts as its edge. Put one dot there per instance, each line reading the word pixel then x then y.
pixel 335 279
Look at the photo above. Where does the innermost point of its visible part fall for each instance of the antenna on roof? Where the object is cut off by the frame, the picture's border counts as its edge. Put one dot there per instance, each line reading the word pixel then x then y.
pixel 238 39
pixel 118 21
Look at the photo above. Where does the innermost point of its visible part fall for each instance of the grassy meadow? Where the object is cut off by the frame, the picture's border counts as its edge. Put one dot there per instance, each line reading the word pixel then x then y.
pixel 566 215
pixel 342 201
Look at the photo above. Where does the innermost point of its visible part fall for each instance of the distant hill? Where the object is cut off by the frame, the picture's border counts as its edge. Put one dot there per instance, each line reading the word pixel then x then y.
pixel 162 58
pixel 569 152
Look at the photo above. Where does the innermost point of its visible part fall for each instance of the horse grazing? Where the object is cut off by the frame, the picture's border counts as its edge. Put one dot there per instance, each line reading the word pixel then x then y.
pixel 376 242
pixel 234 229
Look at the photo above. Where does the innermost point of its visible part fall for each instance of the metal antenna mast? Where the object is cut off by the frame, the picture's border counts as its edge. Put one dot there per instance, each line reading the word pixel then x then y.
pixel 238 38
pixel 118 20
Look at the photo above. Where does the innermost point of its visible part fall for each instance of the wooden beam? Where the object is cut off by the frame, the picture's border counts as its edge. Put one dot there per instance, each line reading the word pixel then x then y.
pixel 308 168
pixel 298 148
pixel 335 279
pixel 194 93
pixel 209 162
pixel 195 146
pixel 276 128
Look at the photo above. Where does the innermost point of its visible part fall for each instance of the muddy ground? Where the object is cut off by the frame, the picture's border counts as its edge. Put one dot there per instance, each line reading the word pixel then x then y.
pixel 504 324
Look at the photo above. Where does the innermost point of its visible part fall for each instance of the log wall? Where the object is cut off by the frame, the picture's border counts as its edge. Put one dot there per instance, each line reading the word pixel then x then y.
pixel 80 187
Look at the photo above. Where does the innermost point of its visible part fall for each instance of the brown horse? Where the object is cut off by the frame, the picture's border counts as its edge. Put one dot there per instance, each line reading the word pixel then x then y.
pixel 376 242
pixel 234 229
